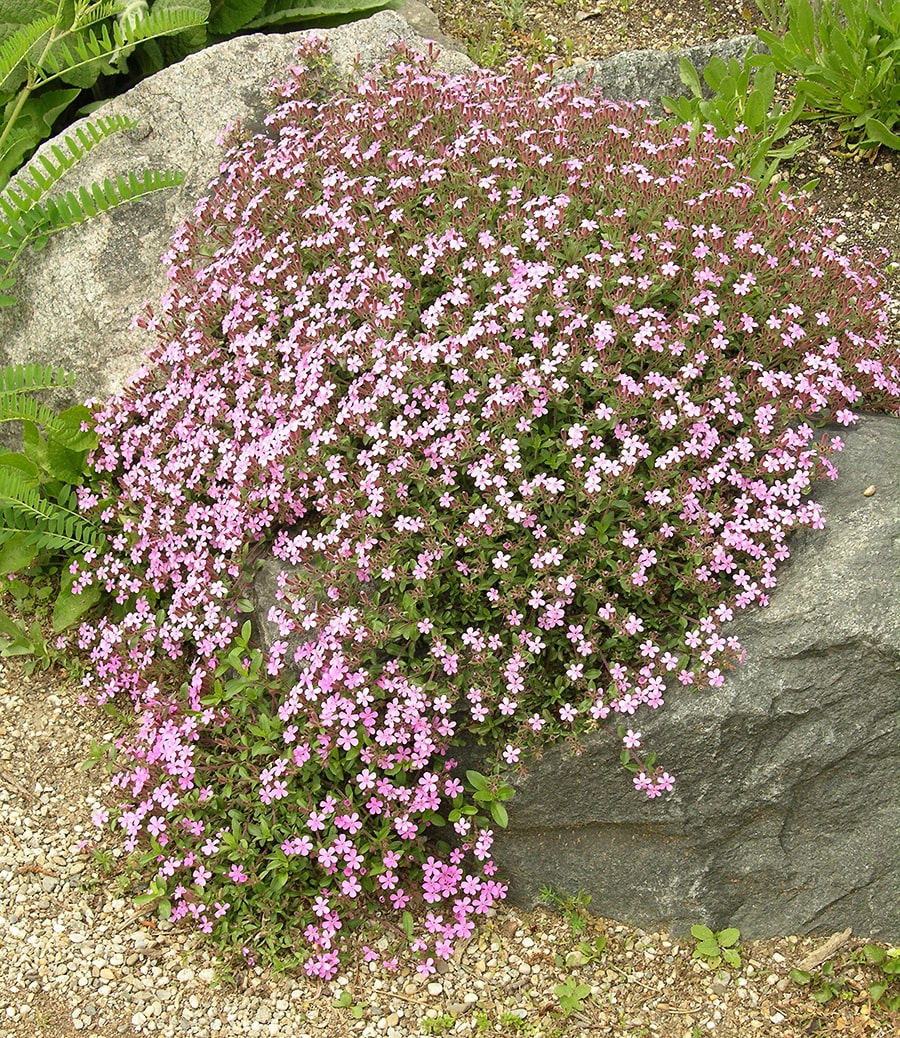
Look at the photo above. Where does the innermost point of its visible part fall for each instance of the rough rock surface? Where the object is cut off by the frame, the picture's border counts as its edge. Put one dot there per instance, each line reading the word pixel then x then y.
pixel 786 810
pixel 639 75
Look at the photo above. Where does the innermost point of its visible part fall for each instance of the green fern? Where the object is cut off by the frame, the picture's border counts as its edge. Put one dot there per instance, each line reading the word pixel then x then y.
pixel 75 44
pixel 79 48
pixel 17 47
pixel 41 529
pixel 28 378
pixel 75 146
pixel 37 485
pixel 44 524
pixel 27 218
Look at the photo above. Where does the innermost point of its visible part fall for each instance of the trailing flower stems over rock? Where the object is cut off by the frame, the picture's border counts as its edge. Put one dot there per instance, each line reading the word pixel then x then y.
pixel 522 389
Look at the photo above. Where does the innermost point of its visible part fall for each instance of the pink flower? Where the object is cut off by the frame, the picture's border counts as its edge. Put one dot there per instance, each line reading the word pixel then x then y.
pixel 237 874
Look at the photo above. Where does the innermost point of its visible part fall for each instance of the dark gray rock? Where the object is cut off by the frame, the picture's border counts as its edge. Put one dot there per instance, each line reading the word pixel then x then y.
pixel 785 817
pixel 648 75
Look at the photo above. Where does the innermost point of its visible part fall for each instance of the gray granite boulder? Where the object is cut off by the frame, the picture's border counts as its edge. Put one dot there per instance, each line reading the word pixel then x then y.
pixel 785 817
pixel 649 75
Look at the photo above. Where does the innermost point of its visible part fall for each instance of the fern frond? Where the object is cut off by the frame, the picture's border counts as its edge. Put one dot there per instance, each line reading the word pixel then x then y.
pixel 27 223
pixel 94 13
pixel 45 523
pixel 19 143
pixel 27 378
pixel 20 408
pixel 68 55
pixel 45 172
pixel 16 48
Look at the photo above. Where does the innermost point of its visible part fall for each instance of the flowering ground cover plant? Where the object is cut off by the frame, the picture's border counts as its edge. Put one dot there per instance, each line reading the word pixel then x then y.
pixel 521 389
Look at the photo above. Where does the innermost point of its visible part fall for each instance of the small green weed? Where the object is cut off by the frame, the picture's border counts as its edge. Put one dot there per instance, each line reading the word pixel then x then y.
pixel 42 530
pixel 513 13
pixel 483 48
pixel 513 1023
pixel 572 995
pixel 104 753
pixel 585 954
pixel 345 1001
pixel 716 948
pixel 827 982
pixel 886 990
pixel 436 1024
pixel 575 909
pixel 775 13
pixel 824 985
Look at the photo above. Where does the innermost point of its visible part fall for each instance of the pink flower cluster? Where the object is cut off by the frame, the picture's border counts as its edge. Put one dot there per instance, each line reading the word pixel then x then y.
pixel 521 388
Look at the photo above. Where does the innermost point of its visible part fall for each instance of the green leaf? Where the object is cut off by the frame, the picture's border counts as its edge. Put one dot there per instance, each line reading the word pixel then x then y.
pixel 800 977
pixel 34 445
pixel 846 56
pixel 11 628
pixel 67 428
pixel 877 989
pixel 65 465
pixel 499 814
pixel 17 554
pixel 26 468
pixel 760 100
pixel 702 933
pixel 477 780
pixel 287 12
pixel 688 75
pixel 68 606
pixel 715 74
pixel 728 937
pixel 229 16
pixel 878 132
pixel 406 921
pixel 804 25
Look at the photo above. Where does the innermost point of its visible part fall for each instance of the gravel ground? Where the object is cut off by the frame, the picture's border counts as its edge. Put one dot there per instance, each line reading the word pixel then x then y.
pixel 579 30
pixel 77 957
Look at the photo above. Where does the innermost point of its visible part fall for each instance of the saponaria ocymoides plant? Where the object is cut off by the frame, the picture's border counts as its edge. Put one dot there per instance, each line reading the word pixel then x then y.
pixel 522 389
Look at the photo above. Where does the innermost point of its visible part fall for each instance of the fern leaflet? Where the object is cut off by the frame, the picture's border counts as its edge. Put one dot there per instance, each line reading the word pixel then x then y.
pixel 24 378
pixel 15 50
pixel 45 524
pixel 69 55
